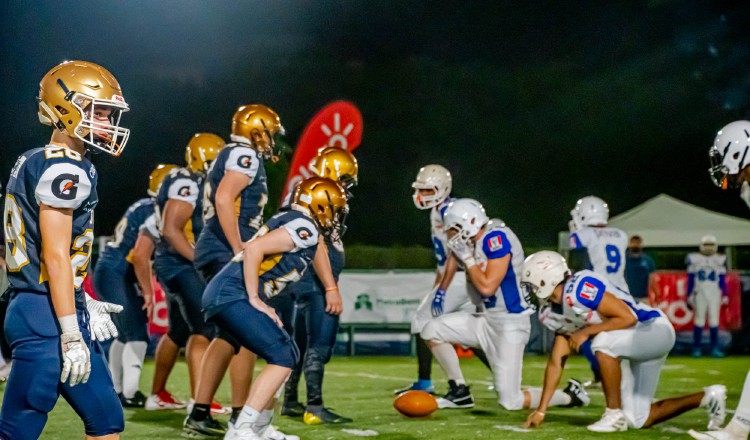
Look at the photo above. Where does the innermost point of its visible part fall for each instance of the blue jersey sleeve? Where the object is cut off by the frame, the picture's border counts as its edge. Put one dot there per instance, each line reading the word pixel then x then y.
pixel 495 245
pixel 723 284
pixel 590 292
pixel 690 283
pixel 575 242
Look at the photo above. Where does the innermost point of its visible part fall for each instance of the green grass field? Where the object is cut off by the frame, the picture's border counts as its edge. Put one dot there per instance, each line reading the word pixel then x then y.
pixel 361 388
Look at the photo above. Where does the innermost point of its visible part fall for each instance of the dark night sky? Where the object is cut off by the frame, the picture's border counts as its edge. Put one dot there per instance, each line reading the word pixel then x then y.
pixel 530 104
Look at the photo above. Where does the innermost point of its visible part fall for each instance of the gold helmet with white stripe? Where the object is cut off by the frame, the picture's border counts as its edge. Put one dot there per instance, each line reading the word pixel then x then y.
pixel 202 150
pixel 325 201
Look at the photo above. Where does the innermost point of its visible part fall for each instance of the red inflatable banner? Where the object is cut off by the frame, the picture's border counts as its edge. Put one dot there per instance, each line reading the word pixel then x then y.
pixel 668 291
pixel 338 124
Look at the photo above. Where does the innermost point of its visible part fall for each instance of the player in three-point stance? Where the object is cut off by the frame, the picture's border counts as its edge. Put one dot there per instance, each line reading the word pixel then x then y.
pixel 51 324
pixel 620 330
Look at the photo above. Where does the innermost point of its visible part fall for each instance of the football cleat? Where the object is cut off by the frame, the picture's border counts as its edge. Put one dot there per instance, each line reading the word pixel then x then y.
pixel 271 433
pixel 292 409
pixel 416 386
pixel 713 435
pixel 717 353
pixel 458 396
pixel 324 416
pixel 137 401
pixel 163 400
pixel 715 402
pixel 209 427
pixel 242 434
pixel 577 393
pixel 216 408
pixel 613 420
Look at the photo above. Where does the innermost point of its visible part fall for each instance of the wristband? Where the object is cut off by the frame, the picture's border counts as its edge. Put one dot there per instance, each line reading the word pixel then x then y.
pixel 68 323
pixel 470 262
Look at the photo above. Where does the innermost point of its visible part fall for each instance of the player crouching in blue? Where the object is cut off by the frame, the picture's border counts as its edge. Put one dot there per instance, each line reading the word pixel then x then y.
pixel 235 299
pixel 619 330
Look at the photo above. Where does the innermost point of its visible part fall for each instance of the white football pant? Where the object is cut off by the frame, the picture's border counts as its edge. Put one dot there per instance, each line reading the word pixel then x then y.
pixel 456 298
pixel 707 303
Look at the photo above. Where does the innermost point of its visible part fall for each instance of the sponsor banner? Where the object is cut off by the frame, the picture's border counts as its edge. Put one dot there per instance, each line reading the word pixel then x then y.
pixel 159 323
pixel 384 297
pixel 668 292
pixel 339 124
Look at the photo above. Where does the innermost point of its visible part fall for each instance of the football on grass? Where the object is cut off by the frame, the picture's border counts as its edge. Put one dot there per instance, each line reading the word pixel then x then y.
pixel 415 403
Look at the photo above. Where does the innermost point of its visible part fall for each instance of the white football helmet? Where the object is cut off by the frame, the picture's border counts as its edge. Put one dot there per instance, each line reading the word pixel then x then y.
pixel 590 211
pixel 434 177
pixel 708 245
pixel 465 215
pixel 542 272
pixel 729 154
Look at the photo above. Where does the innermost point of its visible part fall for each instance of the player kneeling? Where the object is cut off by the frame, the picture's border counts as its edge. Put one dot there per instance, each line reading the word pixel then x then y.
pixel 236 297
pixel 620 330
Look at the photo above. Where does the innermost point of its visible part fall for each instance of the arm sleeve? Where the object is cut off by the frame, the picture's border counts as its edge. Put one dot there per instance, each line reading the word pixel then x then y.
pixel 303 232
pixel 243 160
pixel 184 189
pixel 590 291
pixel 63 185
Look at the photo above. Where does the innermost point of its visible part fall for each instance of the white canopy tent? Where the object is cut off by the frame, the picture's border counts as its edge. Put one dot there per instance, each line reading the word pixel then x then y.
pixel 664 221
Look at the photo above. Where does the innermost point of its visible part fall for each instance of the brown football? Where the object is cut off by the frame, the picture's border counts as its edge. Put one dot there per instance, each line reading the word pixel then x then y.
pixel 415 403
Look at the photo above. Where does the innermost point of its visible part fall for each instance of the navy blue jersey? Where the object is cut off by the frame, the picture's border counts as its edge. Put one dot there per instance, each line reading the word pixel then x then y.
pixel 248 205
pixel 183 185
pixel 310 284
pixel 59 178
pixel 276 271
pixel 117 252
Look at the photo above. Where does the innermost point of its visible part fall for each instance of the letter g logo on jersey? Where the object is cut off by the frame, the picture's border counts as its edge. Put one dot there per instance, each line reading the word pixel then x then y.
pixel 303 233
pixel 184 191
pixel 244 161
pixel 64 186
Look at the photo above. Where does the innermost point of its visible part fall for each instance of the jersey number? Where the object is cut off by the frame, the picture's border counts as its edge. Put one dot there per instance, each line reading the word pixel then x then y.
pixel 272 288
pixel 16 255
pixel 704 275
pixel 59 152
pixel 614 258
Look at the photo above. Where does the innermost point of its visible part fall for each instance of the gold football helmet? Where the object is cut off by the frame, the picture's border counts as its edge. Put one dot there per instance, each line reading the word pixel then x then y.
pixel 325 201
pixel 71 94
pixel 256 125
pixel 336 164
pixel 202 150
pixel 157 177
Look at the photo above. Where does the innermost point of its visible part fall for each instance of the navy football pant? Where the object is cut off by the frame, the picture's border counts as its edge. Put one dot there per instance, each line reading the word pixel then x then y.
pixel 119 287
pixel 186 290
pixel 315 333
pixel 34 383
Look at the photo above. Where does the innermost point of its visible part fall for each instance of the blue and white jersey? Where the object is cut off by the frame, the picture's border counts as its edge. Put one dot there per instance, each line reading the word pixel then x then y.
pixel 706 273
pixel 276 271
pixel 184 185
pixel 60 178
pixel 248 205
pixel 150 228
pixel 495 242
pixel 117 253
pixel 606 249
pixel 439 234
pixel 583 292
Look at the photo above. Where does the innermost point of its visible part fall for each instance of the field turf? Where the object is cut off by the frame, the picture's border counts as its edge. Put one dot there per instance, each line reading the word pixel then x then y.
pixel 362 388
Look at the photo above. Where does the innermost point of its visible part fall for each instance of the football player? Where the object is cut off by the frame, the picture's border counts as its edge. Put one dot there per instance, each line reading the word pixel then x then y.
pixel 432 188
pixel 51 324
pixel 318 308
pixel 236 298
pixel 179 216
pixel 235 193
pixel 115 281
pixel 730 169
pixel 707 292
pixel 492 256
pixel 620 329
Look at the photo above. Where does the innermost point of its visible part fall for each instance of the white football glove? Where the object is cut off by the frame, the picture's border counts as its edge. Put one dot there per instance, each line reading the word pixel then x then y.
pixel 100 323
pixel 463 251
pixel 76 358
pixel 745 193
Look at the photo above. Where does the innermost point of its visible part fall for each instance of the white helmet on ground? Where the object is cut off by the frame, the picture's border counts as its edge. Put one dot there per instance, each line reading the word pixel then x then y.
pixel 730 154
pixel 465 215
pixel 436 178
pixel 708 245
pixel 590 211
pixel 542 272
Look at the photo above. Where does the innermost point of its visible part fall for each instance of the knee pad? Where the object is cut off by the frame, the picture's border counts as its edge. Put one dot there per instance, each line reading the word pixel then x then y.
pixel 179 336
pixel 318 354
pixel 236 346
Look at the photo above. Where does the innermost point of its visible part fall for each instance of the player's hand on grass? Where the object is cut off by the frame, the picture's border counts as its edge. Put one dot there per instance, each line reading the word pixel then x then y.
pixel 102 327
pixel 266 309
pixel 576 340
pixel 76 358
pixel 438 302
pixel 334 304
pixel 534 420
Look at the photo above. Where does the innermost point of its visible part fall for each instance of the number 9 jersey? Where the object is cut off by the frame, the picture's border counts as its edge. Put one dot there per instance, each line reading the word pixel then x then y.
pixel 59 178
pixel 606 249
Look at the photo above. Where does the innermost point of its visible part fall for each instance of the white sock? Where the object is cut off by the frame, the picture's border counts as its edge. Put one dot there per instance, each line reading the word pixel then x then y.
pixel 132 362
pixel 264 419
pixel 739 426
pixel 248 418
pixel 115 364
pixel 559 398
pixel 448 359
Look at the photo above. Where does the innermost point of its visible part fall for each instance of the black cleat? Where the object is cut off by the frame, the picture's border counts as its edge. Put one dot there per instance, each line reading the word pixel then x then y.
pixel 137 401
pixel 292 409
pixel 458 396
pixel 324 416
pixel 209 427
pixel 577 393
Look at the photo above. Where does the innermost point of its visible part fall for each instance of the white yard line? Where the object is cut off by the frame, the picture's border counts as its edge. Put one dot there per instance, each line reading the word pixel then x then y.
pixel 361 433
pixel 511 428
